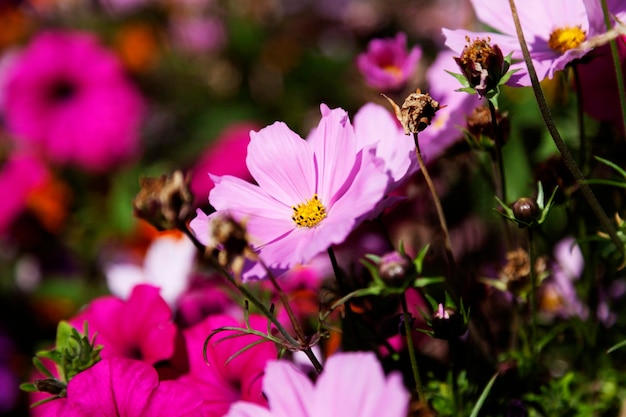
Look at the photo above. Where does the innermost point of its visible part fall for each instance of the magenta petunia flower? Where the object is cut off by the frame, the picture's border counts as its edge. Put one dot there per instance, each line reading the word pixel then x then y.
pixel 138 328
pixel 554 31
pixel 20 175
pixel 120 387
pixel 69 98
pixel 387 65
pixel 310 194
pixel 352 385
pixel 224 379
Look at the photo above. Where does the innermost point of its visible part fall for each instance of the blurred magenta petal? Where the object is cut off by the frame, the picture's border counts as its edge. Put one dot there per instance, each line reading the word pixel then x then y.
pixel 138 328
pixel 387 65
pixel 69 98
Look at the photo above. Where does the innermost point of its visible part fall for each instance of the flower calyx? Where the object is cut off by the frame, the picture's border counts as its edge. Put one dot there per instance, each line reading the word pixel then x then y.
pixel 527 212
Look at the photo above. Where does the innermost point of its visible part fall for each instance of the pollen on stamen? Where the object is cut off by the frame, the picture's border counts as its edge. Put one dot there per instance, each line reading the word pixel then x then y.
pixel 564 39
pixel 309 213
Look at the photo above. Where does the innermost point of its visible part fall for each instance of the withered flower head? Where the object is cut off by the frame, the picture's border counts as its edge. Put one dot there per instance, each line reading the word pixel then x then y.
pixel 165 202
pixel 482 64
pixel 480 130
pixel 417 111
pixel 231 239
pixel 516 272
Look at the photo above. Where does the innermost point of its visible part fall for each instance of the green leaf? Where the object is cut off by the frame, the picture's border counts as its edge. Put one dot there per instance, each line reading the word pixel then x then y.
pixel 617 346
pixel 64 335
pixel 419 259
pixel 612 165
pixel 423 282
pixel 483 396
pixel 28 387
pixel 460 78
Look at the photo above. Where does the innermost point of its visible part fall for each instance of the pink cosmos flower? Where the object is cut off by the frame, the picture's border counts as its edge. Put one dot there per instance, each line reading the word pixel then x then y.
pixel 311 194
pixel 225 156
pixel 19 176
pixel 68 97
pixel 120 387
pixel 387 65
pixel 138 328
pixel 168 265
pixel 352 385
pixel 554 30
pixel 220 381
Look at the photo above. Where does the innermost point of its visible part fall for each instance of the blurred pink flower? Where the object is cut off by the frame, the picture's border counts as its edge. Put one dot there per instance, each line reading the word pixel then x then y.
pixel 225 156
pixel 197 33
pixel 554 31
pixel 387 65
pixel 68 98
pixel 351 385
pixel 138 328
pixel 222 380
pixel 120 387
pixel 19 176
pixel 311 194
pixel 598 84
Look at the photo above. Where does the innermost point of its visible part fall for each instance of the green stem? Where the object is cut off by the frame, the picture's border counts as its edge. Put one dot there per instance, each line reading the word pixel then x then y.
pixel 621 90
pixel 558 141
pixel 409 345
pixel 533 294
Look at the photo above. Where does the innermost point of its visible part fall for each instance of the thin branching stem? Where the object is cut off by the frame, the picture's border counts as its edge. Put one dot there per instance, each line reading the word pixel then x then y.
pixel 411 348
pixel 569 161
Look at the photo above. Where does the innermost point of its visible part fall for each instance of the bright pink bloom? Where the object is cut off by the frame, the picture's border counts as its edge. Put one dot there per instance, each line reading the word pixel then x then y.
pixel 220 383
pixel 553 29
pixel 68 97
pixel 387 65
pixel 19 176
pixel 138 328
pixel 311 194
pixel 352 385
pixel 119 387
pixel 225 156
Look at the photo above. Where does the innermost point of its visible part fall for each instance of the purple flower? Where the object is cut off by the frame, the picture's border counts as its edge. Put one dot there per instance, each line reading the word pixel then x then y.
pixel 310 194
pixel 68 98
pixel 554 31
pixel 138 328
pixel 352 384
pixel 119 387
pixel 387 65
pixel 20 175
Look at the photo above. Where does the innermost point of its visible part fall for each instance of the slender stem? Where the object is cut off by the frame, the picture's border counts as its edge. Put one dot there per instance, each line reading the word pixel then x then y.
pixel 558 141
pixel 257 303
pixel 617 63
pixel 409 345
pixel 500 180
pixel 438 207
pixel 533 294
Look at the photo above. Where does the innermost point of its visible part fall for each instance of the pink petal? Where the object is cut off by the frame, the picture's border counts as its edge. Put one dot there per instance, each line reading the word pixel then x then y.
pixel 290 393
pixel 282 164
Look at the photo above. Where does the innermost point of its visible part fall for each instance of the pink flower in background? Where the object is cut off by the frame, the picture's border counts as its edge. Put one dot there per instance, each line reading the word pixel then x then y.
pixel 69 98
pixel 221 382
pixel 225 156
pixel 352 385
pixel 120 387
pixel 168 265
pixel 138 328
pixel 446 126
pixel 20 175
pixel 311 194
pixel 387 65
pixel 553 30
pixel 197 33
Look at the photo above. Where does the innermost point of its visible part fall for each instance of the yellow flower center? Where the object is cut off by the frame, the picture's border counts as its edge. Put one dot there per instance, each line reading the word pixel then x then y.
pixel 309 213
pixel 564 39
pixel 393 70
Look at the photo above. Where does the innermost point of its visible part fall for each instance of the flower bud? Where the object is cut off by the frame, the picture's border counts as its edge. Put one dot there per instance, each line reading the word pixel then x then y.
pixel 394 268
pixel 417 111
pixel 482 64
pixel 480 130
pixel 447 323
pixel 526 210
pixel 50 385
pixel 165 202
